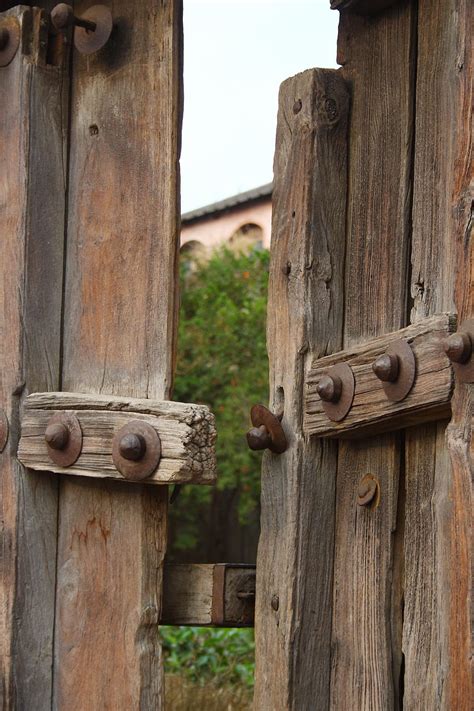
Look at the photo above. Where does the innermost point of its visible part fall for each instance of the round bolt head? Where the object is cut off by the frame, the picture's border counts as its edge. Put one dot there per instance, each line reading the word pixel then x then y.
pixel 329 388
pixel 4 38
pixel 62 16
pixel 387 367
pixel 132 447
pixel 258 438
pixel 367 490
pixel 57 436
pixel 458 347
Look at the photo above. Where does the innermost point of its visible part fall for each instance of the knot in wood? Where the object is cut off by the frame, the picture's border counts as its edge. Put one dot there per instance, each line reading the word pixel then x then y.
pixel 458 347
pixel 57 436
pixel 387 367
pixel 132 447
pixel 329 388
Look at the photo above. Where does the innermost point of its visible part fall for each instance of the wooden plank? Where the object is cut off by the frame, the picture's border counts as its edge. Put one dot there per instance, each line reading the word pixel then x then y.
pixel 32 195
pixel 376 54
pixel 438 543
pixel 294 590
pixel 119 336
pixel 371 410
pixel 189 591
pixel 187 435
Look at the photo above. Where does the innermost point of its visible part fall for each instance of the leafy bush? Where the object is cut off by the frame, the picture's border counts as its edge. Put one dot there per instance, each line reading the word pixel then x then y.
pixel 204 655
pixel 222 362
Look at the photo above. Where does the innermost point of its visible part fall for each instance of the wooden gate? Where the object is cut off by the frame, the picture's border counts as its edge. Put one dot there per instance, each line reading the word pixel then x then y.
pixel 363 571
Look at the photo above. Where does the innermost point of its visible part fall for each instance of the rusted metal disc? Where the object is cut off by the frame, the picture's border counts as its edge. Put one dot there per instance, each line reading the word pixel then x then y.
pixel 87 42
pixel 261 415
pixel 3 430
pixel 465 371
pixel 399 388
pixel 336 411
pixel 70 452
pixel 136 470
pixel 12 27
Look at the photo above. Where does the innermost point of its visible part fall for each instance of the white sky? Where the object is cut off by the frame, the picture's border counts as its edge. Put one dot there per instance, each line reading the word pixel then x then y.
pixel 236 54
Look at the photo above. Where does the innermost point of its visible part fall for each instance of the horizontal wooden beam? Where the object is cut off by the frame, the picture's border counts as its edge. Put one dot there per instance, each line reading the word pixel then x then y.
pixel 362 7
pixel 187 433
pixel 371 411
pixel 211 595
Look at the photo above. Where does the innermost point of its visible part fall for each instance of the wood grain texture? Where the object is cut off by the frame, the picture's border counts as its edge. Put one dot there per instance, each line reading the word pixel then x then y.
pixel 362 7
pixel 187 434
pixel 438 538
pixel 294 563
pixel 188 591
pixel 429 398
pixel 119 338
pixel 376 54
pixel 32 195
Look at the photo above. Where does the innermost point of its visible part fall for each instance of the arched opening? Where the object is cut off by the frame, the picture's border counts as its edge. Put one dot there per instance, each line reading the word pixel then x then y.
pixel 246 238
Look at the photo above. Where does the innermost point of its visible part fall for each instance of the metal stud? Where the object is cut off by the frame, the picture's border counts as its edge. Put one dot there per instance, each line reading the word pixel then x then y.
pixel 92 29
pixel 368 491
pixel 267 432
pixel 9 40
pixel 336 389
pixel 63 438
pixel 396 370
pixel 459 348
pixel 136 450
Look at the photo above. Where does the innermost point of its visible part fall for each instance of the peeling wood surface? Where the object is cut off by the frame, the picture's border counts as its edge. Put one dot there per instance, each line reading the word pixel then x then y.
pixel 295 550
pixel 438 539
pixel 189 591
pixel 187 434
pixel 119 338
pixel 371 410
pixel 32 194
pixel 376 54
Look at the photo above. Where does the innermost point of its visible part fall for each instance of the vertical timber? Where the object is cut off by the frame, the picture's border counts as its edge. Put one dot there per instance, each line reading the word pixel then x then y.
pixel 119 338
pixel 438 543
pixel 295 554
pixel 376 55
pixel 32 198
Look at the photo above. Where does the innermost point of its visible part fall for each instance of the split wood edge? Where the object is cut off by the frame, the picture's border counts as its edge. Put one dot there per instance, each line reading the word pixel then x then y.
pixel 187 433
pixel 371 411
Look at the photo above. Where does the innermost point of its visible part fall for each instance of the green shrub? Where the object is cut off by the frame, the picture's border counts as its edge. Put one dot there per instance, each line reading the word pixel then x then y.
pixel 203 655
pixel 222 362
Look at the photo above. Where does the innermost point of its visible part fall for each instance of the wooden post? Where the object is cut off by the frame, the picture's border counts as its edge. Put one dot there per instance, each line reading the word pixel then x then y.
pixel 34 97
pixel 119 338
pixel 294 564
pixel 438 540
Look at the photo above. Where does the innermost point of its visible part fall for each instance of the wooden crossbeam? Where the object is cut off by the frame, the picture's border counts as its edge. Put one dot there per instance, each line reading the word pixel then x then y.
pixel 187 434
pixel 209 595
pixel 371 411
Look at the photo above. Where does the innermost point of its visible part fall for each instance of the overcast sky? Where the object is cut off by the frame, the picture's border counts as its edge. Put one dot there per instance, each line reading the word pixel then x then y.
pixel 237 53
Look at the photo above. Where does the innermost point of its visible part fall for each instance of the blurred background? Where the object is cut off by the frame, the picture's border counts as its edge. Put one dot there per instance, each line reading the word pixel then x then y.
pixel 237 53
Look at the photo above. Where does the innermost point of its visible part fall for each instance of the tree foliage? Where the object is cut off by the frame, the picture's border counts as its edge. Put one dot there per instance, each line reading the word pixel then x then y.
pixel 222 362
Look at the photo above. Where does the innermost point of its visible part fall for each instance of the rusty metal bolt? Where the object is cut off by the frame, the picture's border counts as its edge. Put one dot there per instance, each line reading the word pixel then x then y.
pixel 4 38
pixel 275 603
pixel 329 388
pixel 57 436
pixel 259 438
pixel 132 447
pixel 458 347
pixel 387 367
pixel 367 490
pixel 62 17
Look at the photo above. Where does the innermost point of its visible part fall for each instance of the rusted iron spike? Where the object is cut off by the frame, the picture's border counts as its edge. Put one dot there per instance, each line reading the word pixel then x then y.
pixel 267 432
pixel 9 40
pixel 136 450
pixel 386 367
pixel 63 437
pixel 57 435
pixel 458 347
pixel 132 446
pixel 367 490
pixel 329 388
pixel 62 17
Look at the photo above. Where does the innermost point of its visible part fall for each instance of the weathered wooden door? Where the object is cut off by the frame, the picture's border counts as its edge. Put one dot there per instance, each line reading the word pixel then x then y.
pixel 363 570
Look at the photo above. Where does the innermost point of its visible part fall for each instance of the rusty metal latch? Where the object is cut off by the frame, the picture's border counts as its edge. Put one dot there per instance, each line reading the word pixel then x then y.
pixel 267 431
